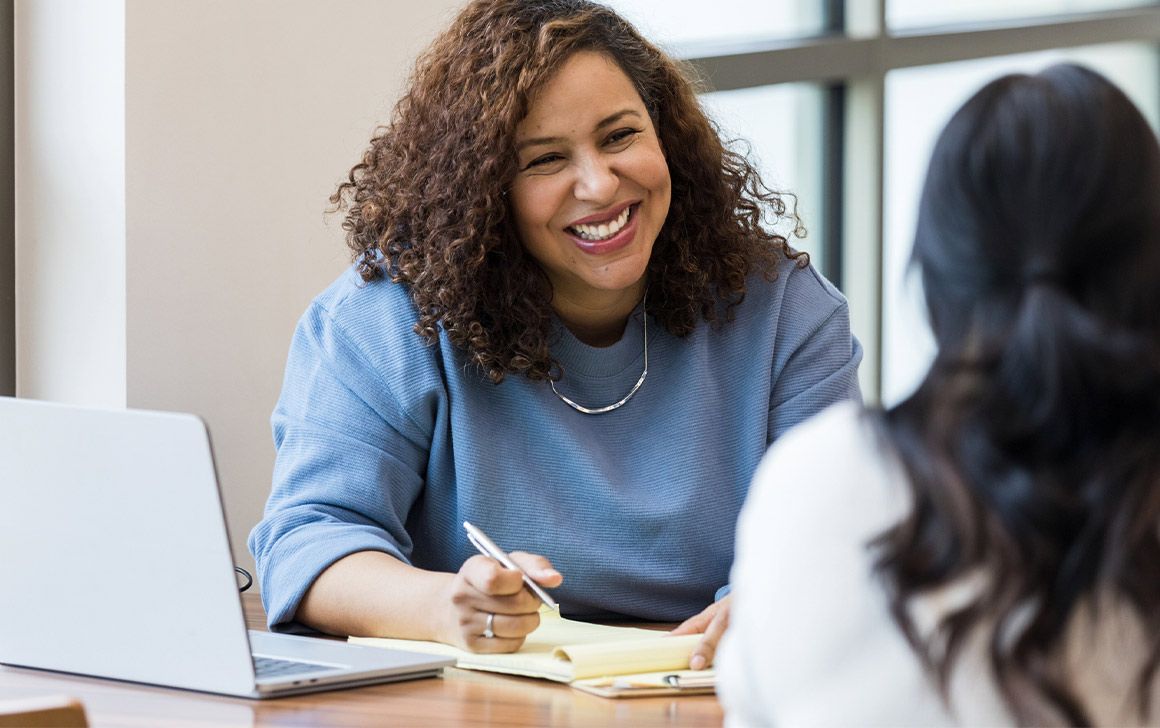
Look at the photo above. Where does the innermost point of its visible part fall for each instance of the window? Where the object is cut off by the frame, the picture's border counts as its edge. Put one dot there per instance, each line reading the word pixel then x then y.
pixel 919 101
pixel 779 128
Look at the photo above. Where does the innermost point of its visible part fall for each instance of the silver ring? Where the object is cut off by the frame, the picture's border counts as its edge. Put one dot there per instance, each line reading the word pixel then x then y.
pixel 487 631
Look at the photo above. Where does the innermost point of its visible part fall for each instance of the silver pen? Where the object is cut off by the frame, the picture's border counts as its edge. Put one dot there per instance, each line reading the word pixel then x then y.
pixel 488 548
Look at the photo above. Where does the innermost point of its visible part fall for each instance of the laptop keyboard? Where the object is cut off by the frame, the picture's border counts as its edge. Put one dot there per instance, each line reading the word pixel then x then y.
pixel 268 667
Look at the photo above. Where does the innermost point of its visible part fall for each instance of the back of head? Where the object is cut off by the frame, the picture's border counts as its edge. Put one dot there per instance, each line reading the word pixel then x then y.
pixel 1040 219
pixel 1030 444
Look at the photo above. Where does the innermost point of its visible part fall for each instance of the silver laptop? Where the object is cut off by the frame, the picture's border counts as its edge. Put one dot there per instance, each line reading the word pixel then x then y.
pixel 115 562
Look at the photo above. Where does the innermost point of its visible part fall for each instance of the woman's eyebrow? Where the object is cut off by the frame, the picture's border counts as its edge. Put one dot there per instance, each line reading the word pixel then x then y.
pixel 613 118
pixel 537 141
pixel 606 121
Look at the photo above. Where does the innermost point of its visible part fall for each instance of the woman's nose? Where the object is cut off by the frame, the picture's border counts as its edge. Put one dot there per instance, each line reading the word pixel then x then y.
pixel 596 181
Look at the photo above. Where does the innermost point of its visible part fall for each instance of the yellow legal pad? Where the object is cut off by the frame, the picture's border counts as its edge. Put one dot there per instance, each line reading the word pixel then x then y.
pixel 574 652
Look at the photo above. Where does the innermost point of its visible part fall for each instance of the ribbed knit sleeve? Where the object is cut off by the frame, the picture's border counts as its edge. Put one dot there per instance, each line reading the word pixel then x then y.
pixel 816 358
pixel 350 464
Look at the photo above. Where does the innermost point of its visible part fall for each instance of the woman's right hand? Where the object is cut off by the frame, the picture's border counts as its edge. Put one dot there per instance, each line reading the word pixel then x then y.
pixel 482 587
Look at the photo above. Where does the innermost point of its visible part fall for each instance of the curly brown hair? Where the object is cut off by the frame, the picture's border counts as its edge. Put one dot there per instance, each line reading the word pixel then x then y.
pixel 426 206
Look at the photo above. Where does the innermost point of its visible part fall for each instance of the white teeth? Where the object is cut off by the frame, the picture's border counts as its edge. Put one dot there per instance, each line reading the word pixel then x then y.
pixel 604 230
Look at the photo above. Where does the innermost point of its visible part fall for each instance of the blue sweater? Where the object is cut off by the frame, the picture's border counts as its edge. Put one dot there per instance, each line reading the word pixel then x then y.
pixel 388 444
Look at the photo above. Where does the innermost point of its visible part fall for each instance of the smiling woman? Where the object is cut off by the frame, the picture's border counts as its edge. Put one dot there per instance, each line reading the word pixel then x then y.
pixel 568 322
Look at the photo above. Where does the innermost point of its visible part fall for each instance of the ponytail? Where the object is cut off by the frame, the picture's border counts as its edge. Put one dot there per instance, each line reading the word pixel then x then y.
pixel 1064 369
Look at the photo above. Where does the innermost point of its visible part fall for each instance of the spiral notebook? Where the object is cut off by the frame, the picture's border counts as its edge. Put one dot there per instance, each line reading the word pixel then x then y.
pixel 605 660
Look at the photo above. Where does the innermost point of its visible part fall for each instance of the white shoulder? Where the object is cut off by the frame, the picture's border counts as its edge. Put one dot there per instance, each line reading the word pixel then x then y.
pixel 833 468
pixel 811 639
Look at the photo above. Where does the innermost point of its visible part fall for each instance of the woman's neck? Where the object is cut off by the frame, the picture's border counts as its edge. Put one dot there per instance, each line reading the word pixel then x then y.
pixel 598 322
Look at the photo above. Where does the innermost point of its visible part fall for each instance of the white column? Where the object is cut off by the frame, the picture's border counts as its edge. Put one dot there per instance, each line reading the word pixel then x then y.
pixel 70 200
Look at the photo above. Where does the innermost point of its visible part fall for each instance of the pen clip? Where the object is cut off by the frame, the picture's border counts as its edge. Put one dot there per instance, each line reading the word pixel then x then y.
pixel 481 548
pixel 691 682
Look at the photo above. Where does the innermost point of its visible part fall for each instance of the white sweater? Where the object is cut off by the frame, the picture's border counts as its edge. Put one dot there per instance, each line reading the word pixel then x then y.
pixel 811 640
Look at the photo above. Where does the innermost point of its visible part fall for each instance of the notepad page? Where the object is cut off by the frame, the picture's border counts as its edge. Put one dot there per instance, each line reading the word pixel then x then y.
pixel 629 656
pixel 564 650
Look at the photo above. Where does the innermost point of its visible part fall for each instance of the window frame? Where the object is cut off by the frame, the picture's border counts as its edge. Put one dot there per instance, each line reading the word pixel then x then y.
pixel 851 60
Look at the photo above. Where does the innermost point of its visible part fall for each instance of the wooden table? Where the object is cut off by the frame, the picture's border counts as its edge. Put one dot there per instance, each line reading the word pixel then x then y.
pixel 459 698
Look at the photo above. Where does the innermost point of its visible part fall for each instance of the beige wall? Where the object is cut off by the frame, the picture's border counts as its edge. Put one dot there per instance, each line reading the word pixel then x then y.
pixel 239 117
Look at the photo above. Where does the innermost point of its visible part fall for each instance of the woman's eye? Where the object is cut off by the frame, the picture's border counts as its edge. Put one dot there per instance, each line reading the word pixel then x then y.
pixel 544 161
pixel 620 136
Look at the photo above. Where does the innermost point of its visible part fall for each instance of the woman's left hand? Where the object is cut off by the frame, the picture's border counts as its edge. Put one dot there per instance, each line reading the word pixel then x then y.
pixel 712 621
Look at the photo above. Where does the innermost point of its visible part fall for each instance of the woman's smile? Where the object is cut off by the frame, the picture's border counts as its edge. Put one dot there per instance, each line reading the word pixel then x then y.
pixel 599 235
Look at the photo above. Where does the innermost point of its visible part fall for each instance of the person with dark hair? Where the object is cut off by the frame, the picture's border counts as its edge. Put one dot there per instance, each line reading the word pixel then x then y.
pixel 567 323
pixel 985 552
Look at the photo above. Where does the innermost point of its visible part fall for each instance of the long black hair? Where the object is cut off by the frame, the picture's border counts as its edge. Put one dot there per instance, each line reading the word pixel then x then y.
pixel 1033 444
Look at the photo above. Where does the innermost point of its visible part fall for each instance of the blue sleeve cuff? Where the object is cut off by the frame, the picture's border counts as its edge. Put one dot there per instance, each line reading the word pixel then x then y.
pixel 301 557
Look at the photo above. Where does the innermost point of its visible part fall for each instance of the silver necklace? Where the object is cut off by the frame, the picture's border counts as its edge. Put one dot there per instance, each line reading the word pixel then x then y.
pixel 619 403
